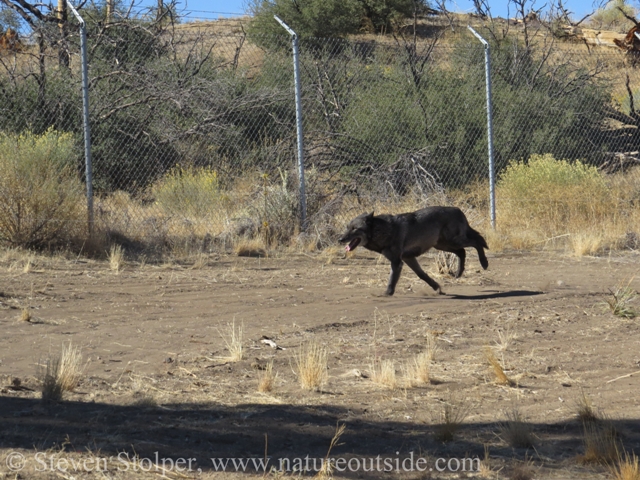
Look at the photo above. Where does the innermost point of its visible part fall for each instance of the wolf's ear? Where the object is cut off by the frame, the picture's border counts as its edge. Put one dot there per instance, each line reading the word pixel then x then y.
pixel 369 217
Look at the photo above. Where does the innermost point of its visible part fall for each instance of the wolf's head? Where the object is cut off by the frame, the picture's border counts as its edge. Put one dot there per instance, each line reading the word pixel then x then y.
pixel 358 231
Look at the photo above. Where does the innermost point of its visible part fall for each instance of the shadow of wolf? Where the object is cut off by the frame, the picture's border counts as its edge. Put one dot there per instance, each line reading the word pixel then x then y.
pixel 402 238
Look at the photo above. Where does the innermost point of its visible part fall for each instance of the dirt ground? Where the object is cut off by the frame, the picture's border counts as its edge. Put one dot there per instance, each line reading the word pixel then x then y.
pixel 157 385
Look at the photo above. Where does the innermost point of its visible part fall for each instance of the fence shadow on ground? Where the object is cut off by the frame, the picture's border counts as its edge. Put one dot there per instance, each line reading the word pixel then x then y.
pixel 211 431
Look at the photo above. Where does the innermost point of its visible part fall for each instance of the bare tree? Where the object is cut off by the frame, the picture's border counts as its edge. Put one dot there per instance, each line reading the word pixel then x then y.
pixel 63 19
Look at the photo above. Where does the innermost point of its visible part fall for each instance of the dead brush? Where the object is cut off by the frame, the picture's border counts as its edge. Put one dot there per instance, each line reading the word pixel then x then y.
pixel 453 414
pixel 268 379
pixel 627 468
pixel 501 377
pixel 383 372
pixel 600 443
pixel 311 363
pixel 515 431
pixel 447 263
pixel 619 300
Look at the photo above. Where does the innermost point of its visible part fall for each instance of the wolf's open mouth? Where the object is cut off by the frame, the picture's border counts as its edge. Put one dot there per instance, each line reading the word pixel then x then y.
pixel 352 244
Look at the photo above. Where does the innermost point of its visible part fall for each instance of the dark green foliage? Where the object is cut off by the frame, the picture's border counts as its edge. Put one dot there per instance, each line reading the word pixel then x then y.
pixel 308 18
pixel 329 18
pixel 398 106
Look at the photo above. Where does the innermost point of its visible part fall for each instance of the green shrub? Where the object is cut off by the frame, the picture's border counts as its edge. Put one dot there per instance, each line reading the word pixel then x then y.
pixel 543 173
pixel 554 194
pixel 40 192
pixel 188 191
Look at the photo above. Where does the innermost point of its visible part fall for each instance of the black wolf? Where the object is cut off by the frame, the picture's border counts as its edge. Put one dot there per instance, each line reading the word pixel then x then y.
pixel 402 238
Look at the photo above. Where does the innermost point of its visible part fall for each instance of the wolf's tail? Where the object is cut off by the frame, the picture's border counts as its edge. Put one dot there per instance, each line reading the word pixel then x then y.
pixel 475 236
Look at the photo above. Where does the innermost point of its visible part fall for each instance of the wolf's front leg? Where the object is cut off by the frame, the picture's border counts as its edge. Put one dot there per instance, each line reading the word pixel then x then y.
pixel 396 270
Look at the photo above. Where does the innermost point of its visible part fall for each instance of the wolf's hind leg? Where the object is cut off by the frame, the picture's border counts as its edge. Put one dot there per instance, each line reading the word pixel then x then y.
pixel 415 266
pixel 483 258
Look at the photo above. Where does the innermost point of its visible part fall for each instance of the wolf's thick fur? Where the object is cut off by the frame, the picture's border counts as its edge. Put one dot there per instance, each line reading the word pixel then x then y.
pixel 402 238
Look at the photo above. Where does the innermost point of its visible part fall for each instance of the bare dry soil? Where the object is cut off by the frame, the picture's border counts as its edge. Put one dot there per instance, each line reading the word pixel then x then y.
pixel 157 383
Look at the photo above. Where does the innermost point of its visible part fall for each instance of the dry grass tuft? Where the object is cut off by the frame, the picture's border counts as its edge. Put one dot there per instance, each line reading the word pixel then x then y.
pixel 70 370
pixel 332 253
pixel 585 410
pixel 268 379
pixel 522 471
pixel 383 372
pixel 418 370
pixel 250 247
pixel 627 468
pixel 28 264
pixel 485 470
pixel 146 401
pixel 311 362
pixel 25 315
pixel 233 341
pixel 587 242
pixel 619 300
pixel 51 388
pixel 116 258
pixel 200 261
pixel 506 336
pixel 600 443
pixel 452 416
pixel 60 373
pixel 501 377
pixel 432 346
pixel 515 431
pixel 326 472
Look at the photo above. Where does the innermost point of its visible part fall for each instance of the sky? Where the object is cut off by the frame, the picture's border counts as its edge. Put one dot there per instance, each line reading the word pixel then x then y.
pixel 211 9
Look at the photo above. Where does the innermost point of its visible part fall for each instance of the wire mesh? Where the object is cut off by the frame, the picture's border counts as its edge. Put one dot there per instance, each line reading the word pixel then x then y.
pixel 193 132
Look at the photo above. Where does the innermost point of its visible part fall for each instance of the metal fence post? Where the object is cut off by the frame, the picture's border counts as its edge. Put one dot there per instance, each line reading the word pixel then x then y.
pixel 492 169
pixel 300 136
pixel 85 117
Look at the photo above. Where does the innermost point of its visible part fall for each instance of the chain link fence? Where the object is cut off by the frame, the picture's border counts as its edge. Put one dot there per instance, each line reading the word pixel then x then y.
pixel 194 132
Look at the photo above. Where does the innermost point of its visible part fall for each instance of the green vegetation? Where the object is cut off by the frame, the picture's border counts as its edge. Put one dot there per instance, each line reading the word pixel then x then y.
pixel 330 18
pixel 188 191
pixel 40 192
pixel 612 15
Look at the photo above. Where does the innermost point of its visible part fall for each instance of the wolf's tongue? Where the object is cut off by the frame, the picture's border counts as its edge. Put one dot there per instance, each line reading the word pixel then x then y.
pixel 352 245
